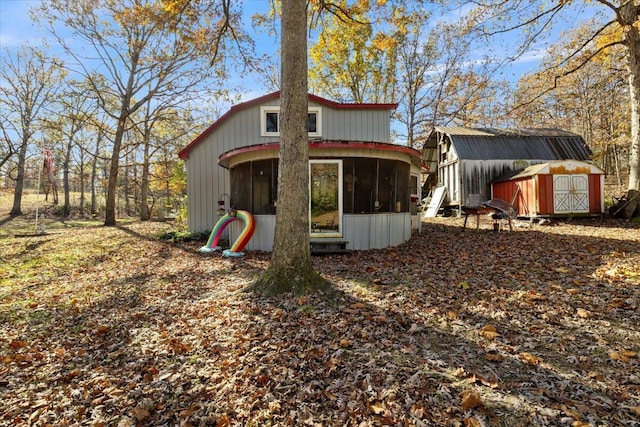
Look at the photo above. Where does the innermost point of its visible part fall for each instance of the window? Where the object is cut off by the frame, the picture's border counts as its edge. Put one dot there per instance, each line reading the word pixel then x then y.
pixel 312 122
pixel 270 121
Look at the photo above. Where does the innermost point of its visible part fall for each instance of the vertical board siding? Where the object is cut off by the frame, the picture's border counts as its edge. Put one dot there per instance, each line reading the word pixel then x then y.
pixel 355 125
pixel 363 232
pixel 545 183
pixel 262 239
pixel 529 196
pixel 376 231
pixel 595 196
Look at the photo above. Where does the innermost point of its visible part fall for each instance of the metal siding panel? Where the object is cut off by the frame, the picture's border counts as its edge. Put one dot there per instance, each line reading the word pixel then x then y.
pixel 195 184
pixel 191 189
pixel 206 180
pixel 520 147
pixel 262 239
pixel 363 232
pixel 356 231
pixel 375 240
pixel 382 228
pixel 356 125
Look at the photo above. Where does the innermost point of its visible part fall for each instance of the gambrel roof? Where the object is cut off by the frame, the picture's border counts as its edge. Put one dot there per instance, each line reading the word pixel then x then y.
pixel 519 143
pixel 271 96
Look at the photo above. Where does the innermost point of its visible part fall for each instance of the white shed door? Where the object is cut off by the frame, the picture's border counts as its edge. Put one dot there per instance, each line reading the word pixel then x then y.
pixel 570 194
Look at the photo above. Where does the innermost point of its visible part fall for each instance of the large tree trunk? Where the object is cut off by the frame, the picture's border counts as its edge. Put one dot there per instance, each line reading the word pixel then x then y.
pixel 17 194
pixel 290 269
pixel 110 207
pixel 629 16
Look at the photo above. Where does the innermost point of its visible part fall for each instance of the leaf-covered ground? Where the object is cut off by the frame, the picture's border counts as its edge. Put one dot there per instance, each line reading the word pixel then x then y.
pixel 115 327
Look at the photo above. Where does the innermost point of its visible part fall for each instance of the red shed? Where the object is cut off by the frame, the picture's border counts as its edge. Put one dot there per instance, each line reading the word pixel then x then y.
pixel 558 188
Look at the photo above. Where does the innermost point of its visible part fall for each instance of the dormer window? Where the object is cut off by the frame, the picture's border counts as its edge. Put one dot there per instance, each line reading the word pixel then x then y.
pixel 270 121
pixel 312 123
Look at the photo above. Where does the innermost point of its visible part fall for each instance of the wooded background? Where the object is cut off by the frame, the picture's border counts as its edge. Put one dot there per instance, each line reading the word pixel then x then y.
pixel 128 83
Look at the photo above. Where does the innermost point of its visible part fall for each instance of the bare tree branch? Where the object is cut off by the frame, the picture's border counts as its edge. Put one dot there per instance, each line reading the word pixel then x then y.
pixel 582 63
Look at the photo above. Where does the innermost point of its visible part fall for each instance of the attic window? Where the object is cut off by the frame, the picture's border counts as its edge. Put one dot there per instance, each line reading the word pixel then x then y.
pixel 270 121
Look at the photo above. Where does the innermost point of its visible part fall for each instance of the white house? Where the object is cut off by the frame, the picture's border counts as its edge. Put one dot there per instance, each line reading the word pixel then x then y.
pixel 363 188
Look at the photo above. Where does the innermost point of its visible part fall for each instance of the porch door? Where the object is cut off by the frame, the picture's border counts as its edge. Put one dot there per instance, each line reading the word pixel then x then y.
pixel 325 198
pixel 570 194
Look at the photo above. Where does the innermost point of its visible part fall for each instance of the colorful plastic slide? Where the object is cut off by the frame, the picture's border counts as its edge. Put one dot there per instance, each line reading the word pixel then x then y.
pixel 241 241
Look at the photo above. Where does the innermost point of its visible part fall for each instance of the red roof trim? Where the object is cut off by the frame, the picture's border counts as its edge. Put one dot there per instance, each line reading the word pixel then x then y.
pixel 352 145
pixel 274 95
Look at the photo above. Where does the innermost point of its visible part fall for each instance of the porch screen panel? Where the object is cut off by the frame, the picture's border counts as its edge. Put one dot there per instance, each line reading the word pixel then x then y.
pixel 404 187
pixel 348 168
pixel 365 185
pixel 263 186
pixel 386 185
pixel 240 177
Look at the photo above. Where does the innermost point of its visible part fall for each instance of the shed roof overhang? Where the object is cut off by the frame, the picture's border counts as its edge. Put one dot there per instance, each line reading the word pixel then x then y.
pixel 563 167
pixel 334 149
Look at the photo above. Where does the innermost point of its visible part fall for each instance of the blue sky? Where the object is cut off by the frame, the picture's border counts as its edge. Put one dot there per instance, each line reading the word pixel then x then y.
pixel 17 29
pixel 15 26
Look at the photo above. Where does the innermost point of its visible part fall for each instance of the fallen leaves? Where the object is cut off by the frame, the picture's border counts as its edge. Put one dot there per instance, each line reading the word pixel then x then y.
pixel 489 331
pixel 529 358
pixel 470 399
pixel 623 355
pixel 585 314
pixel 413 336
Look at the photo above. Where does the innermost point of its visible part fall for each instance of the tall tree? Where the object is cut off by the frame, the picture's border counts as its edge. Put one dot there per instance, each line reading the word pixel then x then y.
pixel 74 114
pixel 162 129
pixel 586 101
pixel 290 269
pixel 535 19
pixel 28 83
pixel 351 61
pixel 443 81
pixel 142 50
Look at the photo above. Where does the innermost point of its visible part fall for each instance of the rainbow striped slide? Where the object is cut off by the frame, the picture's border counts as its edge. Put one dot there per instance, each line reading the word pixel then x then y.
pixel 240 242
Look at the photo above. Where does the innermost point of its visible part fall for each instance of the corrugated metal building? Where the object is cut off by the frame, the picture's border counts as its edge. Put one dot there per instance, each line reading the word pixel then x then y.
pixel 467 160
pixel 363 191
